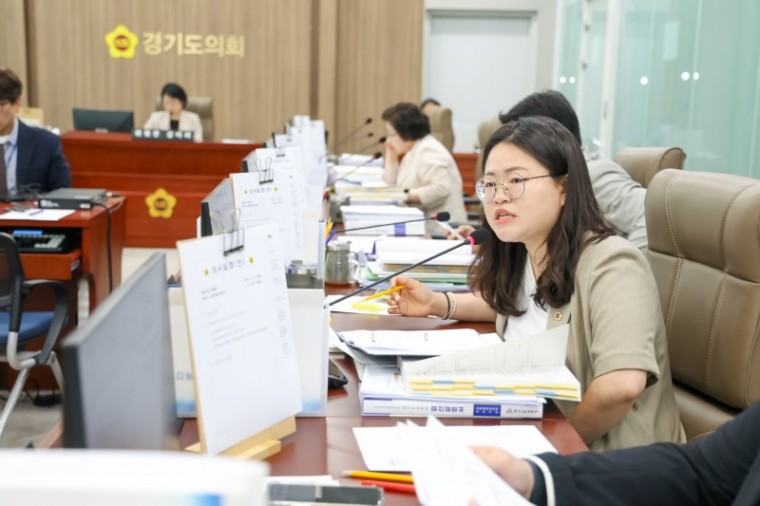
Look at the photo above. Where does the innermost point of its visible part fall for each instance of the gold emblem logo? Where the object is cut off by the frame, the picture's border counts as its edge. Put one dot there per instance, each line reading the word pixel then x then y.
pixel 121 43
pixel 160 204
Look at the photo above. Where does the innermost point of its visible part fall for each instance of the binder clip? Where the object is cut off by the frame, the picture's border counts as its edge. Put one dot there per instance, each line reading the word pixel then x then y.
pixel 233 237
pixel 265 170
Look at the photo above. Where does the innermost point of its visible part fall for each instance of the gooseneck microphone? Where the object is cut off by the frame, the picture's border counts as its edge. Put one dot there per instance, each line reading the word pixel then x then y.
pixel 375 156
pixel 442 216
pixel 477 238
pixel 351 134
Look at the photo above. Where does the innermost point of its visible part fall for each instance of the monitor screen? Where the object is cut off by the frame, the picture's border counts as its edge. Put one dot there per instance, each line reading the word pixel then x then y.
pixel 103 120
pixel 118 370
pixel 218 210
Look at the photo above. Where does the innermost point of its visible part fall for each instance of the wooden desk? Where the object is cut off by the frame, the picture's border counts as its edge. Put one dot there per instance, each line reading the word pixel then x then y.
pixel 91 255
pixel 138 169
pixel 327 445
pixel 88 261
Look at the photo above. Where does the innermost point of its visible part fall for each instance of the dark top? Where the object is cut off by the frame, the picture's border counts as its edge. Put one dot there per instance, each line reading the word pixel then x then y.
pixel 723 468
pixel 41 164
pixel 173 124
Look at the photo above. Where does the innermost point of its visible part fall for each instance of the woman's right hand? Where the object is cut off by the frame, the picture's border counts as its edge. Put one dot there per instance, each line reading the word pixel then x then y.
pixel 416 299
pixel 390 157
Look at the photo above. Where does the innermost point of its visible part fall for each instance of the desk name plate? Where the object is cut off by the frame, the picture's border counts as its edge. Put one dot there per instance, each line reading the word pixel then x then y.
pixel 156 134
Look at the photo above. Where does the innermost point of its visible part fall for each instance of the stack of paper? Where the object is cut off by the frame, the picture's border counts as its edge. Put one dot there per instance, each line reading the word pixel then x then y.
pixel 532 366
pixel 395 253
pixel 417 343
pixel 370 216
pixel 383 393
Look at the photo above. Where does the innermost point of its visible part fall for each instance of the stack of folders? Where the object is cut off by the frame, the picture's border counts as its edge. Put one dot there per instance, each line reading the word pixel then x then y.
pixel 528 366
pixel 371 216
pixel 393 254
pixel 384 393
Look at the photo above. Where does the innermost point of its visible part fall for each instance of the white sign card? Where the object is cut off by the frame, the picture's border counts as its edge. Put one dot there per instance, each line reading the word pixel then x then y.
pixel 244 359
pixel 272 196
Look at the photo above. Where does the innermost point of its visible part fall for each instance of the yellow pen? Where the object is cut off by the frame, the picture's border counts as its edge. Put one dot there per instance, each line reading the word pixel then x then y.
pixel 383 293
pixel 371 475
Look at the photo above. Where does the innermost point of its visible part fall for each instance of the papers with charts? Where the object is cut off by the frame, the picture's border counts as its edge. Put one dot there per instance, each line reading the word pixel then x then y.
pixel 533 366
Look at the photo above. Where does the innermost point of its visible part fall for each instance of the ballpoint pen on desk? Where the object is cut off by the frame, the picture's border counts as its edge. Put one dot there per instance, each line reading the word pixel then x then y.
pixel 383 293
pixel 391 486
pixel 32 212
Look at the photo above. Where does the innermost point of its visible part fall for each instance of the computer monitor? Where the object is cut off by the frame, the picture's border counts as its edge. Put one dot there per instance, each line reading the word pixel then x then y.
pixel 118 371
pixel 218 210
pixel 103 120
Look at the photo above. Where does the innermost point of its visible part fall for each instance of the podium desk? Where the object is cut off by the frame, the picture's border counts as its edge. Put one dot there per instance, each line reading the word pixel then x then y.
pixel 164 181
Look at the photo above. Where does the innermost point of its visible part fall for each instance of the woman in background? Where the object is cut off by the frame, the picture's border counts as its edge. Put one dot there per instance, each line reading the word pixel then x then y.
pixel 428 171
pixel 174 116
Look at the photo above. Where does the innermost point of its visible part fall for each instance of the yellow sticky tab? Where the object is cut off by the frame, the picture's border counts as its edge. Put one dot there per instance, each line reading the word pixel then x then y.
pixel 368 306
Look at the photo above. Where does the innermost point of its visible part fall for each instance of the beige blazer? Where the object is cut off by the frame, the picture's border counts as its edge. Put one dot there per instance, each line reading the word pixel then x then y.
pixel 616 323
pixel 187 121
pixel 430 169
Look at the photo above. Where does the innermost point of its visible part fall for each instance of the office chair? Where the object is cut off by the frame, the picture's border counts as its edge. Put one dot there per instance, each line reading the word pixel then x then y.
pixel 704 250
pixel 203 107
pixel 441 124
pixel 643 163
pixel 18 327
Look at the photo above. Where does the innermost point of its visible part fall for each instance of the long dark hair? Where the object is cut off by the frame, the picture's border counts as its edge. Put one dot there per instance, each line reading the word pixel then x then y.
pixel 497 274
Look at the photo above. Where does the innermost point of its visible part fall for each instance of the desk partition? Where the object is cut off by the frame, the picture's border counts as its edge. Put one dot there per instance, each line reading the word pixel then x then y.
pixel 164 182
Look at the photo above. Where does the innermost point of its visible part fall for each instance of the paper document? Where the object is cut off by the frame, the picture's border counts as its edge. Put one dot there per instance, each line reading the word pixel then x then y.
pixel 244 359
pixel 447 472
pixel 528 366
pixel 355 305
pixel 383 448
pixel 35 214
pixel 423 343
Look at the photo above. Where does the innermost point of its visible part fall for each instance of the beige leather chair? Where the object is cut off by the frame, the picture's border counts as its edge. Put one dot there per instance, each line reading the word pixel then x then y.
pixel 32 116
pixel 704 249
pixel 203 107
pixel 441 125
pixel 643 163
pixel 485 131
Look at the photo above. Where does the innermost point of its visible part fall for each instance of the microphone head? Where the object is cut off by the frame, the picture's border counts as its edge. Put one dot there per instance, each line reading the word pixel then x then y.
pixel 377 155
pixel 368 121
pixel 442 216
pixel 479 236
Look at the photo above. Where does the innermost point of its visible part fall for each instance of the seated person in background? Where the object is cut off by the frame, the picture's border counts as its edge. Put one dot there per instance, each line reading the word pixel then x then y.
pixel 428 171
pixel 555 260
pixel 428 105
pixel 174 116
pixel 620 198
pixel 723 468
pixel 32 159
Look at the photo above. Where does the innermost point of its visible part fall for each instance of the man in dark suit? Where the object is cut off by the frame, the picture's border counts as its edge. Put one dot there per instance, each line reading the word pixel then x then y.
pixel 32 159
pixel 723 468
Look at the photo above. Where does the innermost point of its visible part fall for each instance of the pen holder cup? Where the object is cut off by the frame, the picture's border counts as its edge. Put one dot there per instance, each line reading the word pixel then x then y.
pixel 340 266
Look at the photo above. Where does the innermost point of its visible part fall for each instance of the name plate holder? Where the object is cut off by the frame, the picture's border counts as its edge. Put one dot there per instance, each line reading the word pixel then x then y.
pixel 156 134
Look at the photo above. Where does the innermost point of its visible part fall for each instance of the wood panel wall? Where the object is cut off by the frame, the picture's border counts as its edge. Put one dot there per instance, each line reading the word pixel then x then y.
pixel 339 60
pixel 13 49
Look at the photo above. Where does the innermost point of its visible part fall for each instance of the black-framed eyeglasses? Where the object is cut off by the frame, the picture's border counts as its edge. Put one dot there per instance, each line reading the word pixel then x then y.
pixel 514 187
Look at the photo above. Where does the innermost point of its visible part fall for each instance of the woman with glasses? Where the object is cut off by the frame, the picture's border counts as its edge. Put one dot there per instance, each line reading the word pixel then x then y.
pixel 427 171
pixel 555 260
